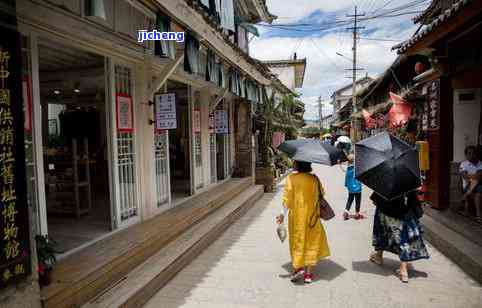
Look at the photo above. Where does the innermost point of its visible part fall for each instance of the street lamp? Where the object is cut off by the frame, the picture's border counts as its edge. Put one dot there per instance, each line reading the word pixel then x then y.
pixel 343 56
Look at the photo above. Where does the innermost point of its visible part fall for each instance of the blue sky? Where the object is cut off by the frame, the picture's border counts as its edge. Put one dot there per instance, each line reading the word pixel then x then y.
pixel 325 70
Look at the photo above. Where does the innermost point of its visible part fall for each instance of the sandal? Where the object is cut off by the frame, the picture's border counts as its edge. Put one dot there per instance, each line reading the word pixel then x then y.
pixel 376 258
pixel 297 275
pixel 403 276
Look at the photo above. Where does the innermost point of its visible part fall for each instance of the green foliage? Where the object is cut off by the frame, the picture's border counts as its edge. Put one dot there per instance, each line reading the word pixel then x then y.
pixel 310 132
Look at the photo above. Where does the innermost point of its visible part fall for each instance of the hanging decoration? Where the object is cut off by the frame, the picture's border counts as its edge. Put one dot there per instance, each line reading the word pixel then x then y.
pixel 400 111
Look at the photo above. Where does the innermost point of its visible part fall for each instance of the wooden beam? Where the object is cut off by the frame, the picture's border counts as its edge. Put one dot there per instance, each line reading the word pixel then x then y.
pixel 166 73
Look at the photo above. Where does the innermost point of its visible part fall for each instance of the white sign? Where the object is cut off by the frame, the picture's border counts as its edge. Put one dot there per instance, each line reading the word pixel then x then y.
pixel 165 106
pixel 221 121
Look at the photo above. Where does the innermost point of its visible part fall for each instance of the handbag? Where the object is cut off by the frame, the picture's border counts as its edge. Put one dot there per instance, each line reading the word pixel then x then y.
pixel 325 211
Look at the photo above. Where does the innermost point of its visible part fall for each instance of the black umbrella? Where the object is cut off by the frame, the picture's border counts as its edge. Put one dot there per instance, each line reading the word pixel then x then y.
pixel 387 165
pixel 312 151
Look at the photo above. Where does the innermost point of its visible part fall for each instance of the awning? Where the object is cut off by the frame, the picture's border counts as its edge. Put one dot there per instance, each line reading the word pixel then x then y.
pixel 250 28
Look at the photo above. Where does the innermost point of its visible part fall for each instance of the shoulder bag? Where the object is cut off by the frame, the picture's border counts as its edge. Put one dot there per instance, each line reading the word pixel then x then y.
pixel 325 211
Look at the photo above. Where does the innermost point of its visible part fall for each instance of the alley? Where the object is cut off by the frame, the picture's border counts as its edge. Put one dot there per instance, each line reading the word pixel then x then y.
pixel 249 267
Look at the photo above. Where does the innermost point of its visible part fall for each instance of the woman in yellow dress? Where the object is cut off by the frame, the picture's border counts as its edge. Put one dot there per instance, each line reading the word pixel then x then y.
pixel 308 243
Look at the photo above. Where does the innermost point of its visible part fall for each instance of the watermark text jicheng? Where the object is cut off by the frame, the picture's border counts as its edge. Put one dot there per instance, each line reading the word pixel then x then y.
pixel 154 35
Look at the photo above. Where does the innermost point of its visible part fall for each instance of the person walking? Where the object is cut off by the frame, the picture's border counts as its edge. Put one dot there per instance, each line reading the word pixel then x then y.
pixel 307 238
pixel 396 229
pixel 354 190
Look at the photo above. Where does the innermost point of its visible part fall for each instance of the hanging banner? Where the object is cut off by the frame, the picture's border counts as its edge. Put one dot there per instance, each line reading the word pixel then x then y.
pixel 165 111
pixel 125 113
pixel 221 122
pixel 430 119
pixel 400 111
pixel 14 221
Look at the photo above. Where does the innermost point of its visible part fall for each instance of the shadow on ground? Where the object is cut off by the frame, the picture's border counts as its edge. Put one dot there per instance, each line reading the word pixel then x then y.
pixel 387 269
pixel 326 270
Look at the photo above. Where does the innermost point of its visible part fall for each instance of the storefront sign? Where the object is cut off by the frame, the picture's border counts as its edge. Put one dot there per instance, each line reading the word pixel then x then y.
pixel 221 122
pixel 125 113
pixel 14 223
pixel 165 110
pixel 430 117
pixel 27 103
pixel 197 121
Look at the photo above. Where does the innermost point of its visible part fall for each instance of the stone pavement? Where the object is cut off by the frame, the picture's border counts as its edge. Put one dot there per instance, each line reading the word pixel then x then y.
pixel 249 267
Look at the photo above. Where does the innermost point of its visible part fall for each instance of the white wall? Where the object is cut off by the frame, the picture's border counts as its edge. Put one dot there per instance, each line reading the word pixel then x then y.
pixel 466 122
pixel 286 75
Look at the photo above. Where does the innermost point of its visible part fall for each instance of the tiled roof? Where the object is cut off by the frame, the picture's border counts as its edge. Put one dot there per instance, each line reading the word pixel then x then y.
pixel 442 18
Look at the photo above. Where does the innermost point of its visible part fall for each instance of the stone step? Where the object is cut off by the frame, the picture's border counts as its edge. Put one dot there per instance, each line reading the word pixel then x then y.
pixel 462 251
pixel 82 276
pixel 136 288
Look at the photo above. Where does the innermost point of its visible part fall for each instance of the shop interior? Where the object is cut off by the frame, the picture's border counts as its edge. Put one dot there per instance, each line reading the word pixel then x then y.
pixel 74 133
pixel 179 154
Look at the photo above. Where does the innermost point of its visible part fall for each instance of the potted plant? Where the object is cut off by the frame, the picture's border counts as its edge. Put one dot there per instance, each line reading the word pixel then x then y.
pixel 45 257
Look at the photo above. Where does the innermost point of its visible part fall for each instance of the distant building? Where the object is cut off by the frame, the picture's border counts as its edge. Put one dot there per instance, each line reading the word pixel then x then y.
pixel 342 98
pixel 327 121
pixel 290 72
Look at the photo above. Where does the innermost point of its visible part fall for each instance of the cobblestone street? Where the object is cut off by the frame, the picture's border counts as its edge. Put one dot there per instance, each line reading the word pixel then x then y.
pixel 249 267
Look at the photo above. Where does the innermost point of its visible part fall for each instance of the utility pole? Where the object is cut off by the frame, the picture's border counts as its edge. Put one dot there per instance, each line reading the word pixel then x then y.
pixel 355 28
pixel 320 113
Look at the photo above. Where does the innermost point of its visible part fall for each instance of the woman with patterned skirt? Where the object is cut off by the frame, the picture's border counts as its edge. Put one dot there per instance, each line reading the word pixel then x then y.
pixel 396 229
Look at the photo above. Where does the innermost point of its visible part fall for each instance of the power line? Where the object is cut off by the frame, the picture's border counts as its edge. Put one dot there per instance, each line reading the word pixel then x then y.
pixel 335 25
pixel 378 39
pixel 387 13
pixel 325 55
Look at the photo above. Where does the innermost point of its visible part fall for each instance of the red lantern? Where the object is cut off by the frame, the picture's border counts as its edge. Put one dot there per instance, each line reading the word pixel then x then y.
pixel 419 68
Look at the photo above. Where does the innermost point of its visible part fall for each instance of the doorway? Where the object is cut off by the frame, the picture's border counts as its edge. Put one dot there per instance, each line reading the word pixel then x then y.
pixel 75 138
pixel 179 144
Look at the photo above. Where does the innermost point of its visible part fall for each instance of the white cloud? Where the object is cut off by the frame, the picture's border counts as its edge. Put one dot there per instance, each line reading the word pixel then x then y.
pixel 293 10
pixel 325 70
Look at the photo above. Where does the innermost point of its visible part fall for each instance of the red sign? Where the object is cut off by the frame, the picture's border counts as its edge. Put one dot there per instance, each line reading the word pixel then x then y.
pixel 125 113
pixel 400 111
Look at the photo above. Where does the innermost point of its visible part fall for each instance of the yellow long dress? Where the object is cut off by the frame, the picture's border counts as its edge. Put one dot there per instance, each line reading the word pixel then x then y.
pixel 307 245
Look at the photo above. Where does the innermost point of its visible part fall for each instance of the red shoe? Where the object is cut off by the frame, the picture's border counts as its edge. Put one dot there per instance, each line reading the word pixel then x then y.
pixel 297 275
pixel 308 278
pixel 359 216
pixel 346 215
